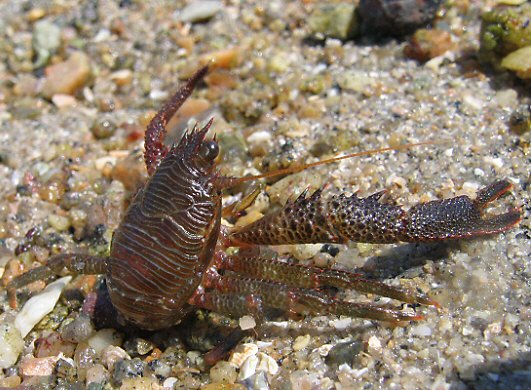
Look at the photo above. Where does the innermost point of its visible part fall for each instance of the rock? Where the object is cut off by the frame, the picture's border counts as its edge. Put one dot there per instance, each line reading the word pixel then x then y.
pixel 38 306
pixel 224 372
pixel 111 355
pixel 428 44
pixel 200 11
pixel 381 18
pixel 519 61
pixel 97 374
pixel 127 369
pixel 67 77
pixel 80 329
pixel 103 128
pixel 30 366
pixel 520 121
pixel 301 342
pixel 334 20
pixel 46 41
pixel 103 339
pixel 11 344
pixel 344 352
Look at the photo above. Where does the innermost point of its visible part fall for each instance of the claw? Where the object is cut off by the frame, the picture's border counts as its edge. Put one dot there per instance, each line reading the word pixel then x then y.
pixel 459 217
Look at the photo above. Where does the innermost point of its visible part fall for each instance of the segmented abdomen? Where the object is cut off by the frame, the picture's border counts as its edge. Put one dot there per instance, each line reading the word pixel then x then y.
pixel 163 246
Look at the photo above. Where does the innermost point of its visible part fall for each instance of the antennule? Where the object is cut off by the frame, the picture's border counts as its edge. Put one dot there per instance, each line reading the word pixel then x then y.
pixel 228 182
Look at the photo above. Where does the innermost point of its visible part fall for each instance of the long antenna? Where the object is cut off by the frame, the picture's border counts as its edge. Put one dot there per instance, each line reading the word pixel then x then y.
pixel 227 182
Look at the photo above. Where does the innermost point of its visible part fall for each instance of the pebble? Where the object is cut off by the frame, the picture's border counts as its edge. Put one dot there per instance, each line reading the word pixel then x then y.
pixel 427 44
pixel 31 366
pixel 247 322
pixel 103 339
pixel 46 40
pixel 122 77
pixel 61 100
pixel 67 77
pixel 248 367
pixel 97 374
pixel 59 222
pixel 374 344
pixel 345 352
pixel 242 352
pixel 111 355
pixel 11 344
pixel 38 306
pixel 80 329
pixel 382 18
pixel 170 382
pixel 333 20
pixel 342 323
pixel 125 369
pixel 223 372
pixel 199 11
pixel 103 128
pixel 267 364
pixel 301 342
pixel 421 331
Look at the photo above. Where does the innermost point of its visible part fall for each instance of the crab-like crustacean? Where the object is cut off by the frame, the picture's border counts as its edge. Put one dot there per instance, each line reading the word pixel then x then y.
pixel 167 255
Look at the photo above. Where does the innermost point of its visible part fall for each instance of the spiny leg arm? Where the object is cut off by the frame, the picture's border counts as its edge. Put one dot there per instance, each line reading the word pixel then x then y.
pixel 349 218
pixel 74 263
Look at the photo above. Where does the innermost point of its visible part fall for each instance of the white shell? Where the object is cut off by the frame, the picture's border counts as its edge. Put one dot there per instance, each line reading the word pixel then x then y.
pixel 38 306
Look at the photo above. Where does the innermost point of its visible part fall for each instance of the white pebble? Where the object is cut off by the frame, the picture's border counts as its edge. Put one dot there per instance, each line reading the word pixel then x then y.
pixel 169 382
pixel 248 367
pixel 496 162
pixel 421 331
pixel 375 344
pixel 103 339
pixel 242 352
pixel 267 364
pixel 259 137
pixel 111 355
pixel 479 172
pixel 325 349
pixel 11 344
pixel 200 10
pixel 301 342
pixel 38 306
pixel 247 322
pixel 101 162
pixel 342 323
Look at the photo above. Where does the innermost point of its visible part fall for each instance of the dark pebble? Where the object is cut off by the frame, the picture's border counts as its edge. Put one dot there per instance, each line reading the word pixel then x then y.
pixel 344 352
pixel 127 369
pixel 383 18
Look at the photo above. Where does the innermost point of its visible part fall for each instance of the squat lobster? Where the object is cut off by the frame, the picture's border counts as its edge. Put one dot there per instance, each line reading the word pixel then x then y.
pixel 167 256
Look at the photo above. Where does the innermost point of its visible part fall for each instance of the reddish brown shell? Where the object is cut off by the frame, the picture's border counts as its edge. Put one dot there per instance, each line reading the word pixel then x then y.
pixel 166 239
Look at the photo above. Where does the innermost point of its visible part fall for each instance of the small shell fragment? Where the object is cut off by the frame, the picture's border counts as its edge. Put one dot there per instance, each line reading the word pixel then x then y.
pixel 37 307
pixel 248 367
pixel 242 352
pixel 267 364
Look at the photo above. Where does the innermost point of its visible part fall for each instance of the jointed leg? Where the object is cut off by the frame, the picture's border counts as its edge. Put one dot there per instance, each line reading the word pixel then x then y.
pixel 342 218
pixel 74 263
pixel 315 278
pixel 294 300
